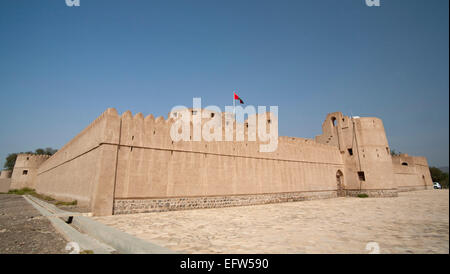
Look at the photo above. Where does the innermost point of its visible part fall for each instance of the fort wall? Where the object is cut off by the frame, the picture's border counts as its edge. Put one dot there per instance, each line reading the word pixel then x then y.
pixel 129 163
pixel 131 157
pixel 4 185
pixel 81 169
pixel 152 167
pixel 5 174
pixel 411 172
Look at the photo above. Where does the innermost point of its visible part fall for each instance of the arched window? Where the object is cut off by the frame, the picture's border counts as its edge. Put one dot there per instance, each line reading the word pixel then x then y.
pixel 333 121
pixel 404 164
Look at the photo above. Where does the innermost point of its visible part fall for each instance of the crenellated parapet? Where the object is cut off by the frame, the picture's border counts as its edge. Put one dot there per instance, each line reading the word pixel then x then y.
pixel 150 133
pixel 104 129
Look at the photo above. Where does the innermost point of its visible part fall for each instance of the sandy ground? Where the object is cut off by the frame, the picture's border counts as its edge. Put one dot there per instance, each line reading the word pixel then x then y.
pixel 24 231
pixel 414 222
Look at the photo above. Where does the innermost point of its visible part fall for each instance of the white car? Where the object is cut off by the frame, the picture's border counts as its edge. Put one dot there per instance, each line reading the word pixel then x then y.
pixel 437 185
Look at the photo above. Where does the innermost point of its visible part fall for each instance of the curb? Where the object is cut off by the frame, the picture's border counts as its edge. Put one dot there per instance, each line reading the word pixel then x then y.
pixel 69 233
pixel 120 241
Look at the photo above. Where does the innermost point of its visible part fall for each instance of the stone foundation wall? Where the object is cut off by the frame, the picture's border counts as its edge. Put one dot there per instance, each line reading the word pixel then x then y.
pixel 129 206
pixel 375 193
pixel 413 188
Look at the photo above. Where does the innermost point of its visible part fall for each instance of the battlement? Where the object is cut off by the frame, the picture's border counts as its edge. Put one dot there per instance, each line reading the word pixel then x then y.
pixel 30 160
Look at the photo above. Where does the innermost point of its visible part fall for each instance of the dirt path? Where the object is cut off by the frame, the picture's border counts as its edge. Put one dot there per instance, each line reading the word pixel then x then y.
pixel 414 222
pixel 22 233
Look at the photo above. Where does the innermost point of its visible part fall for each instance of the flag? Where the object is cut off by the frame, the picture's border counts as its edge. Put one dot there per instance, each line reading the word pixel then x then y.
pixel 236 97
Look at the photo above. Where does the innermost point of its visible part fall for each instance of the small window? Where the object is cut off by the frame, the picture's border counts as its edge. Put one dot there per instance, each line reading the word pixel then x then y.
pixel 350 151
pixel 361 176
pixel 24 172
pixel 246 124
pixel 194 112
pixel 28 158
pixel 404 164
pixel 269 121
pixel 387 150
pixel 212 115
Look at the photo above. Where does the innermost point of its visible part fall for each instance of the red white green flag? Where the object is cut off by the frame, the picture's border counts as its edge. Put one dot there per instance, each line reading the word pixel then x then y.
pixel 236 97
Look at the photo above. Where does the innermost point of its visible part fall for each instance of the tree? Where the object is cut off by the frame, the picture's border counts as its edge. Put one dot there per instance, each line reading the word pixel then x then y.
pixel 39 151
pixel 10 161
pixel 46 151
pixel 11 158
pixel 395 153
pixel 50 151
pixel 438 176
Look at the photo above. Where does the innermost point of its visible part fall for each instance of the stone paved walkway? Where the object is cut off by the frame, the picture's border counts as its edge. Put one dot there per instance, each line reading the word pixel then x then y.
pixel 414 222
pixel 23 230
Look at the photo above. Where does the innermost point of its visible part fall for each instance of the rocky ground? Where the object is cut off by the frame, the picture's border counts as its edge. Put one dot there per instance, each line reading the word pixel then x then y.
pixel 414 222
pixel 24 231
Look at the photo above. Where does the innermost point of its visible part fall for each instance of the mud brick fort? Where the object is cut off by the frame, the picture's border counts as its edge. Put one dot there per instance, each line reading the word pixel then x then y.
pixel 129 164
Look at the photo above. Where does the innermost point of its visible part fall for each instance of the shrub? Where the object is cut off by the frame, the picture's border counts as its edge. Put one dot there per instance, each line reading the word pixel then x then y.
pixel 22 191
pixel 66 203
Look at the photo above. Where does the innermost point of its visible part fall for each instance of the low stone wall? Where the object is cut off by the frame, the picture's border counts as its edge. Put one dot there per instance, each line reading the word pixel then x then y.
pixel 373 193
pixel 5 174
pixel 4 185
pixel 129 206
pixel 413 188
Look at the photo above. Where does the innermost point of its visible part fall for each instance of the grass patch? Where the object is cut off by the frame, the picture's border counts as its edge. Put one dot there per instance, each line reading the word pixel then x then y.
pixel 43 197
pixel 22 191
pixel 32 192
pixel 363 195
pixel 59 203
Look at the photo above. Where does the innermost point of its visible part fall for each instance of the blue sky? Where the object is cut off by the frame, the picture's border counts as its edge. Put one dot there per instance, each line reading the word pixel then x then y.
pixel 60 67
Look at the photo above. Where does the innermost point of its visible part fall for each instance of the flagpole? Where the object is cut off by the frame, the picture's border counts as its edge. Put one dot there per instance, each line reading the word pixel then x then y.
pixel 234 107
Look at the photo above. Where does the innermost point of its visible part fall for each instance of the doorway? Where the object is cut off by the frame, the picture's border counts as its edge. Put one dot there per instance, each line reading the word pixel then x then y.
pixel 340 184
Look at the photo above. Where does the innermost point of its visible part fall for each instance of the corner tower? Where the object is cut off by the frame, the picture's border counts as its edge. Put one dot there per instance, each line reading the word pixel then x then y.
pixel 25 170
pixel 366 154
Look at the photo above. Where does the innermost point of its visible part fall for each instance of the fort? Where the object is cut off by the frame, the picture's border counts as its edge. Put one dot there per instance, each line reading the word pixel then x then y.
pixel 129 164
